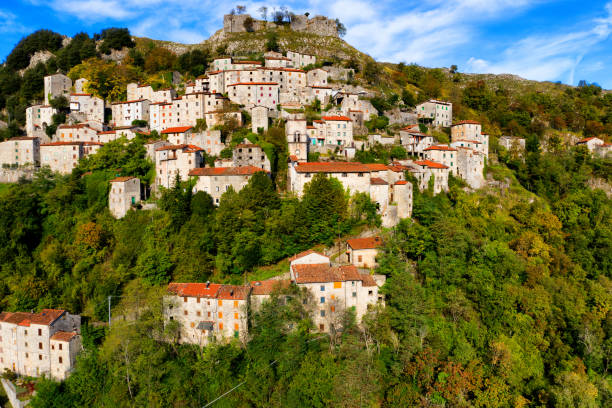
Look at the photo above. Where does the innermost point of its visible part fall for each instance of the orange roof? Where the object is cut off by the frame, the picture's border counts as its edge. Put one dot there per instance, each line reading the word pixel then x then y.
pixel 63 336
pixel 77 126
pixel 269 286
pixel 225 171
pixel 254 83
pixel 181 146
pixel 376 166
pixel 467 122
pixel 293 157
pixel 233 292
pixel 21 138
pixel 132 101
pixel 106 132
pixel 468 141
pixel 246 62
pixel 332 167
pixel 303 254
pixel 121 179
pixel 278 58
pixel 315 273
pixel 378 181
pixel 80 94
pixel 440 147
pixel 335 118
pixel 179 129
pixel 586 140
pixel 431 164
pixel 194 289
pixel 45 317
pixel 364 243
pixel 62 144
pixel 401 182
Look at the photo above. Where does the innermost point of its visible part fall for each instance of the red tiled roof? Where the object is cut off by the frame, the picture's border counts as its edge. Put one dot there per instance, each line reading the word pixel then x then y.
pixel 378 181
pixel 254 83
pixel 278 58
pixel 401 182
pixel 246 145
pixel 62 144
pixel 467 122
pixel 179 129
pixel 78 126
pixel 132 101
pixel 181 146
pixel 293 157
pixel 335 118
pixel 106 132
pixel 431 164
pixel 332 167
pixel 468 141
pixel 440 147
pixel 63 336
pixel 45 317
pixel 247 62
pixel 376 166
pixel 367 280
pixel 208 290
pixel 364 243
pixel 315 273
pixel 233 292
pixel 21 138
pixel 80 94
pixel 225 171
pixel 586 140
pixel 269 286
pixel 121 179
pixel 303 254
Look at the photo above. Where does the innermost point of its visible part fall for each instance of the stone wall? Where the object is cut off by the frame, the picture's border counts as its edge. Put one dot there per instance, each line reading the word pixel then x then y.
pixel 12 175
pixel 319 25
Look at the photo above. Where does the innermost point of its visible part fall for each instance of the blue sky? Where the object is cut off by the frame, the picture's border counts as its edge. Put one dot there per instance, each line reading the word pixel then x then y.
pixel 556 40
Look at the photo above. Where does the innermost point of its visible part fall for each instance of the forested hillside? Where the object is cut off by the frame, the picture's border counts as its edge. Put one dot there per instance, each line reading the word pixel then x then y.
pixel 494 298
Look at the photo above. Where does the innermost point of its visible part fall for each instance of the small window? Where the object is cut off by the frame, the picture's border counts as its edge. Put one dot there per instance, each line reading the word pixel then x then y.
pixel 60 360
pixel 322 299
pixel 322 288
pixel 40 346
pixel 220 315
pixel 322 313
pixel 321 327
pixel 185 312
pixel 39 333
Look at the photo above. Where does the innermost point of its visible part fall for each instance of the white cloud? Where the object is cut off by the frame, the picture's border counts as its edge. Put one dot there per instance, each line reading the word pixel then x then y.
pixel 548 56
pixel 10 24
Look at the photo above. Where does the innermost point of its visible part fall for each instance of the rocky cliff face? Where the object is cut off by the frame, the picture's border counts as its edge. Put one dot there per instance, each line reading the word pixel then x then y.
pixel 318 25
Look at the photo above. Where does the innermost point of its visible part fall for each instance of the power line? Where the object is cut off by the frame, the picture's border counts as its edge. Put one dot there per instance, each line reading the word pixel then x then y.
pixel 244 382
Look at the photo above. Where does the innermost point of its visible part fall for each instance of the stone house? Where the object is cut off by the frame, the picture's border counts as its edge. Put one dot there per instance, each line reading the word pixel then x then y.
pixel 415 142
pixel 321 92
pixel 139 92
pixel 262 291
pixel 207 312
pixel 290 80
pixel 335 289
pixel 470 166
pixel 171 160
pixel 362 252
pixel 442 154
pixel 471 130
pixel 129 132
pixel 20 151
pixel 217 180
pixel 247 154
pixel 277 62
pixel 603 150
pixel 333 130
pixel 438 113
pixel 309 257
pixel 299 60
pixel 85 107
pixel 209 140
pixel 259 119
pixel 79 85
pixel 252 94
pixel 124 193
pixel 350 101
pixel 153 145
pixel 178 135
pixel 38 117
pixel 185 110
pixel 62 157
pixel 56 85
pixel 470 144
pixel 124 113
pixel 591 143
pixel 221 117
pixel 297 139
pixel 228 63
pixel 425 169
pixel 76 133
pixel 36 344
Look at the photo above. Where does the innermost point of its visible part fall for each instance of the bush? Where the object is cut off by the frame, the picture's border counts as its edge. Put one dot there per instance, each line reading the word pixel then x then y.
pixel 39 40
pixel 115 39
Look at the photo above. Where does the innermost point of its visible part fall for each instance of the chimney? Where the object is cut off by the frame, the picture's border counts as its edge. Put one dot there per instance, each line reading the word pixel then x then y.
pixel 232 292
pixel 207 284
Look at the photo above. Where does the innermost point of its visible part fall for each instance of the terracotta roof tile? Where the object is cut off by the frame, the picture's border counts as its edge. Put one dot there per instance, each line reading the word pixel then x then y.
pixel 269 286
pixel 377 181
pixel 376 166
pixel 63 336
pixel 332 167
pixel 303 254
pixel 315 273
pixel 187 147
pixel 440 147
pixel 179 129
pixel 364 243
pixel 225 171
pixel 254 83
pixel 467 122
pixel 208 290
pixel 45 317
pixel 431 164
pixel 335 118
pixel 233 292
pixel 121 179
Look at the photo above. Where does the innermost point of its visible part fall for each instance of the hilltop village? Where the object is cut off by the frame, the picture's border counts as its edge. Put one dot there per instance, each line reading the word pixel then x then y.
pixel 189 133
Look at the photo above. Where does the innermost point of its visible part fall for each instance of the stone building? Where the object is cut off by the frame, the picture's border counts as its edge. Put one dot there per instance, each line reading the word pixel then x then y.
pixel 20 151
pixel 38 117
pixel 252 94
pixel 277 62
pixel 333 130
pixel 470 166
pixel 299 60
pixel 442 154
pixel 124 113
pixel 319 25
pixel 62 157
pixel 217 180
pixel 186 110
pixel 153 145
pixel 221 117
pixel 321 92
pixel 415 142
pixel 209 140
pixel 362 252
pixel 129 132
pixel 297 139
pixel 124 193
pixel 87 107
pixel 512 143
pixel 76 133
pixel 591 143
pixel 426 169
pixel 207 312
pixel 335 289
pixel 138 92
pixel 471 130
pixel 178 135
pixel 37 344
pixel 438 113
pixel 353 101
pixel 79 85
pixel 56 85
pixel 259 119
pixel 248 154
pixel 262 291
pixel 173 160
